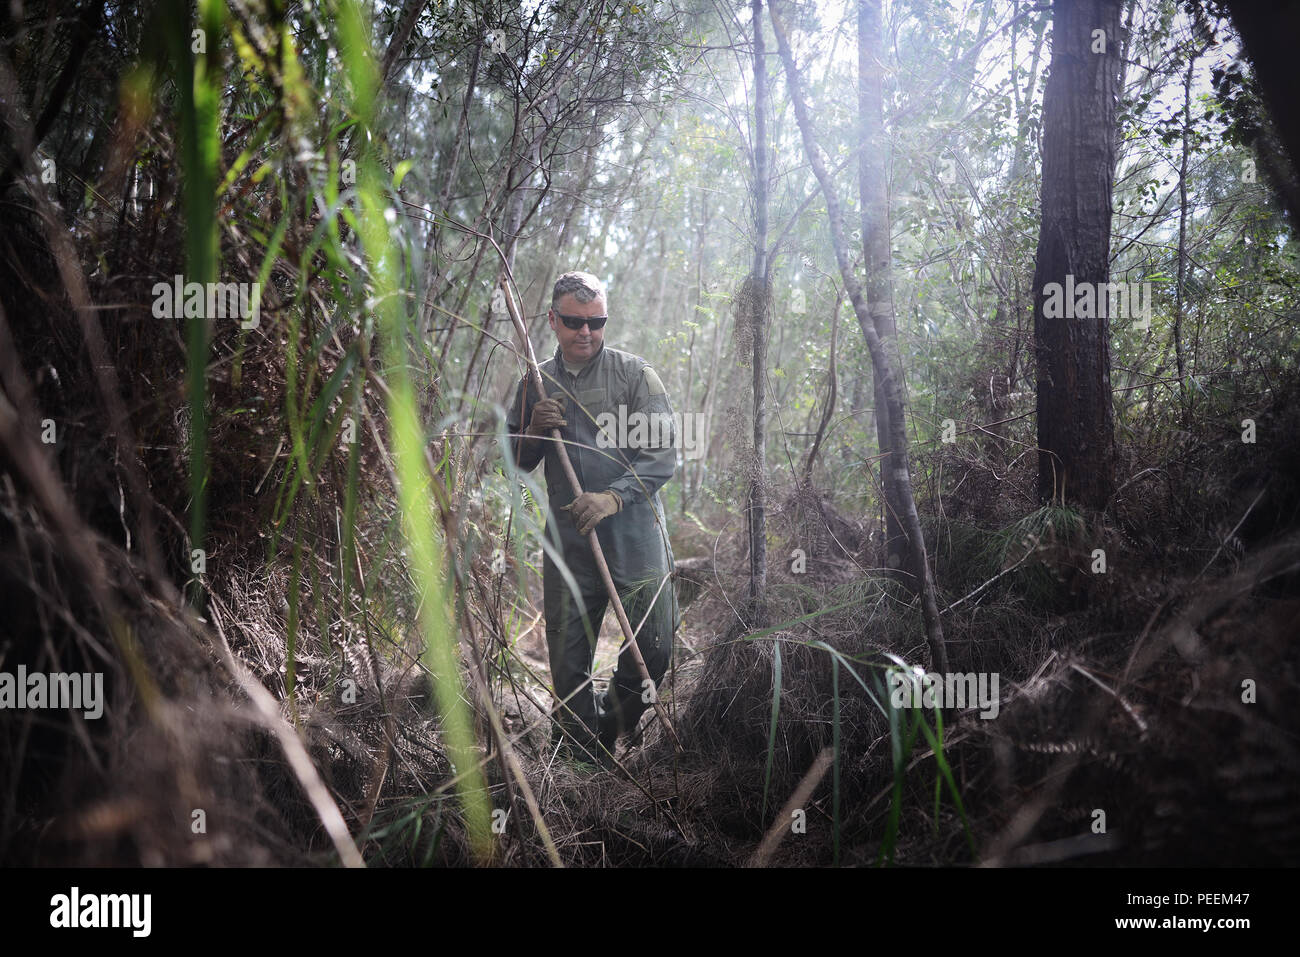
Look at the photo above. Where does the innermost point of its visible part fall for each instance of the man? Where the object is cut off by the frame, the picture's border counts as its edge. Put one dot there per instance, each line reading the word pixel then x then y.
pixel 593 389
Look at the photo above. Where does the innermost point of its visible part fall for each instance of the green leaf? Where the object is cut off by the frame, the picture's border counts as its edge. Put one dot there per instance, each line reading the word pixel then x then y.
pixel 399 174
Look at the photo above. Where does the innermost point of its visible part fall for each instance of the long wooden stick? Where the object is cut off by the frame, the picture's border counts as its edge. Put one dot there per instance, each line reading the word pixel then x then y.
pixel 630 644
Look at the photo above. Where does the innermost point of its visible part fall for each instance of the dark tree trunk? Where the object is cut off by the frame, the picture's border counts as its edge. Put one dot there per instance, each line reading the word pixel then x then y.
pixel 1269 31
pixel 1076 458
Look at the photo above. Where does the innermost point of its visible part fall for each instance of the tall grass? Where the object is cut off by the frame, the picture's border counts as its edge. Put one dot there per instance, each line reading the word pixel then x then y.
pixel 199 80
pixel 437 624
pixel 776 716
pixel 369 290
pixel 905 724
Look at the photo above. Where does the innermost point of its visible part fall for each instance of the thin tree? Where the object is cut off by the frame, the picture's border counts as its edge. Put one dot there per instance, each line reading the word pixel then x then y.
pixel 755 310
pixel 874 205
pixel 885 361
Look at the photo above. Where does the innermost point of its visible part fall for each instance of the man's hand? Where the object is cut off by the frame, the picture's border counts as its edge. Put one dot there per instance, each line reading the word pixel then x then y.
pixel 547 414
pixel 590 508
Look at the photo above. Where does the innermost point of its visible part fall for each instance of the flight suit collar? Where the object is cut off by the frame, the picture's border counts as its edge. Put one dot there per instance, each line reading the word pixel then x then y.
pixel 592 364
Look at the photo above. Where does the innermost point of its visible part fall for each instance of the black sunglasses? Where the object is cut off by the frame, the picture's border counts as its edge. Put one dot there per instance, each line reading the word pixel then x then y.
pixel 577 322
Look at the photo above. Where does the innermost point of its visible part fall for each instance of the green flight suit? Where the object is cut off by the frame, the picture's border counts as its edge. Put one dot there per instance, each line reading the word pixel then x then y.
pixel 613 388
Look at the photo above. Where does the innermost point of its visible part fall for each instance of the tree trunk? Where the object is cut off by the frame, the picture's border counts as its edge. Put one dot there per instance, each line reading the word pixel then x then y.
pixel 757 314
pixel 831 393
pixel 1076 456
pixel 1268 31
pixel 1182 225
pixel 700 228
pixel 396 43
pixel 873 200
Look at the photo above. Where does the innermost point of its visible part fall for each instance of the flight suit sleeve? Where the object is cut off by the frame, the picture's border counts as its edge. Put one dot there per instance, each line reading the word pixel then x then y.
pixel 651 451
pixel 527 452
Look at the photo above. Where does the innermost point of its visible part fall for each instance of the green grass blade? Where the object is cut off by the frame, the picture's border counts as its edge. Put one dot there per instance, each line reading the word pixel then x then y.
pixel 776 713
pixel 437 623
pixel 835 769
pixel 198 83
pixel 946 772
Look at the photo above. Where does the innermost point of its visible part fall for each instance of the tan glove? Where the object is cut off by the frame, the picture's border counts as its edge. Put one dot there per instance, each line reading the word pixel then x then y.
pixel 547 414
pixel 591 508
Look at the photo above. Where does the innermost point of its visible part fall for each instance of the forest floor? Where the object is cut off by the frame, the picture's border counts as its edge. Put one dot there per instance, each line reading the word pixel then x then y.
pixel 1142 720
pixel 1144 713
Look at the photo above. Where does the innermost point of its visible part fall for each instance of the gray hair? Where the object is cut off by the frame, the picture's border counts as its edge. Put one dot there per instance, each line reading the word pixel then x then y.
pixel 583 286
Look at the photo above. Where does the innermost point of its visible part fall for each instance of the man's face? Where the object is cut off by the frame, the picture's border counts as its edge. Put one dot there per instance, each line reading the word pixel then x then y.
pixel 577 345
